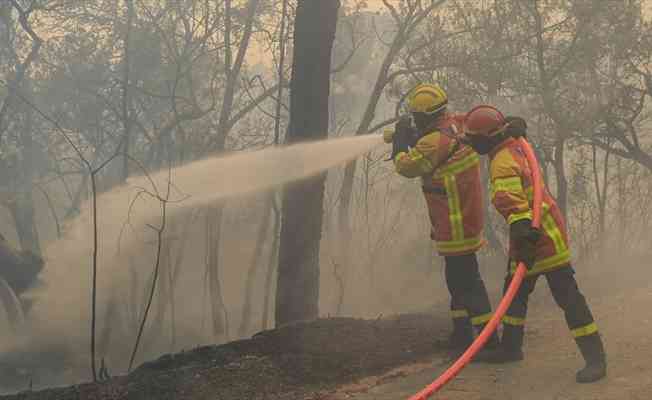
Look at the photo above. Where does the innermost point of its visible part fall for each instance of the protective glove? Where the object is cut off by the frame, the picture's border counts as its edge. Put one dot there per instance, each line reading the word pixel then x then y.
pixel 404 137
pixel 525 239
pixel 516 127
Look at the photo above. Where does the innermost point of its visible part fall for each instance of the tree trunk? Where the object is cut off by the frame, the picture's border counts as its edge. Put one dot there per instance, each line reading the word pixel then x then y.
pixel 622 209
pixel 21 69
pixel 23 210
pixel 233 67
pixel 255 265
pixel 157 323
pixel 297 294
pixel 22 213
pixel 218 309
pixel 273 263
pixel 560 172
pixel 126 98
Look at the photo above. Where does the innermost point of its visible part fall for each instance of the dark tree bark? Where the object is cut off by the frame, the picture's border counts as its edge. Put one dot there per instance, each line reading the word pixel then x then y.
pixel 22 209
pixel 126 96
pixel 19 269
pixel 297 294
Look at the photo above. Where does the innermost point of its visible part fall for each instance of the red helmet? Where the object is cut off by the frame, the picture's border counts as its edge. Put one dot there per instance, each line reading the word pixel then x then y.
pixel 484 121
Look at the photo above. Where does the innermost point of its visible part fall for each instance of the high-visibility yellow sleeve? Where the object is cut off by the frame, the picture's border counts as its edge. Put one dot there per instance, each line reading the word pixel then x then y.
pixel 507 192
pixel 421 159
pixel 412 164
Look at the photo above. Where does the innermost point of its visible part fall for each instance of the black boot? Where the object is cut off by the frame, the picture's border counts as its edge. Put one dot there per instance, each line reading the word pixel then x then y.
pixel 491 346
pixel 510 348
pixel 493 342
pixel 462 336
pixel 596 363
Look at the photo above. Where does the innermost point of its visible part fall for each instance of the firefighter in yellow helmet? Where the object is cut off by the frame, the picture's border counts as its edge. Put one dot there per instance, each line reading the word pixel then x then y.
pixel 544 251
pixel 426 145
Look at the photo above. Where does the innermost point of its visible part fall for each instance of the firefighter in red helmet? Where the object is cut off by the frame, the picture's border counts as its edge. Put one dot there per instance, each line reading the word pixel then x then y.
pixel 544 251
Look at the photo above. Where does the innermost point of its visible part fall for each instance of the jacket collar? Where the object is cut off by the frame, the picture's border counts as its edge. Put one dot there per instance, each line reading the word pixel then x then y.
pixel 505 143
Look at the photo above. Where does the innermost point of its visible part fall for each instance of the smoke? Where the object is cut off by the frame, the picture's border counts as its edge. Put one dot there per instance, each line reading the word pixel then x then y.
pixel 127 220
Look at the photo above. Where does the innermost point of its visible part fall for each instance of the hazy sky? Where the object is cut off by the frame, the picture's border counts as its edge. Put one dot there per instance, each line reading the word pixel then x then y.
pixel 377 4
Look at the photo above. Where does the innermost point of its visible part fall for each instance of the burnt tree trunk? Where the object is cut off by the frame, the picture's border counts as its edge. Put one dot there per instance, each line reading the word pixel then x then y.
pixel 297 294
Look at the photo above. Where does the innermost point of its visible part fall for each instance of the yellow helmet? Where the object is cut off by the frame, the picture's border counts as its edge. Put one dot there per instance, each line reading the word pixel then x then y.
pixel 427 98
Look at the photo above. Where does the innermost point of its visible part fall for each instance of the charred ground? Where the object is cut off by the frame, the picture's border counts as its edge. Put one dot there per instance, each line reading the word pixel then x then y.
pixel 299 361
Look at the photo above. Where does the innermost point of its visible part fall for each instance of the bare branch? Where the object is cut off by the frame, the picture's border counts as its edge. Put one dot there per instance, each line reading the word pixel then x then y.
pixel 21 68
pixel 392 11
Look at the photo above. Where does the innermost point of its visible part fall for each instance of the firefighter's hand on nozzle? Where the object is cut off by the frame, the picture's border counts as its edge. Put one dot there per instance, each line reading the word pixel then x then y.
pixel 402 137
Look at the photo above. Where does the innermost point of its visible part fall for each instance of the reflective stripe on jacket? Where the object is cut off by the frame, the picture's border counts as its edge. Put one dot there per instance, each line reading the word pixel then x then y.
pixel 512 195
pixel 451 186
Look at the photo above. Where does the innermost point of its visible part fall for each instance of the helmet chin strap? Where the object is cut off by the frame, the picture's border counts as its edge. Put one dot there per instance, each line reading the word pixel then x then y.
pixel 484 144
pixel 425 122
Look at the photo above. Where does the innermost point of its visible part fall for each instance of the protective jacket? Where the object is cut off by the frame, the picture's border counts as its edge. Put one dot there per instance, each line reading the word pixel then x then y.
pixel 512 194
pixel 450 173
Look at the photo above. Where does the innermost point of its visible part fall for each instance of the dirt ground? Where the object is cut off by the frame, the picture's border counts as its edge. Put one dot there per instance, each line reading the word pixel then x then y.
pixel 392 358
pixel 622 304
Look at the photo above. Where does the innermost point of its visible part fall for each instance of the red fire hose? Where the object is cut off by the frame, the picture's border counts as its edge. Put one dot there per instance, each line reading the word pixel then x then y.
pixel 491 326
